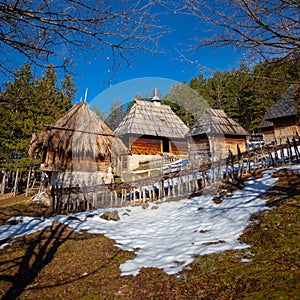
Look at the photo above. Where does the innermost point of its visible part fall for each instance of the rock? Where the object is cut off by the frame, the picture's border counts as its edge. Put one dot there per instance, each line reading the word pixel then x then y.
pixel 74 218
pixel 215 243
pixel 217 200
pixel 110 215
pixel 154 207
pixel 145 205
pixel 14 221
pixel 91 215
pixel 223 193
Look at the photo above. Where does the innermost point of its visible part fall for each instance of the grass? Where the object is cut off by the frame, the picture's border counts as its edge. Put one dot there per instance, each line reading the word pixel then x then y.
pixel 59 264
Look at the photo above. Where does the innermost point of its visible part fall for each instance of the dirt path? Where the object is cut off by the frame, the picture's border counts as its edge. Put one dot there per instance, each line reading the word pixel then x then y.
pixel 6 200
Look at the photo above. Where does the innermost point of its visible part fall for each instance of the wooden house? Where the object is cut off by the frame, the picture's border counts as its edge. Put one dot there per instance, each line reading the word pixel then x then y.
pixel 213 135
pixel 284 115
pixel 267 131
pixel 79 149
pixel 151 130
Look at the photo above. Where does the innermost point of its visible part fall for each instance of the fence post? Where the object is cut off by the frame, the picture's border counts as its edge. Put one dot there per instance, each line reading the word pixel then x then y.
pixel 297 154
pixel 162 189
pixel 289 150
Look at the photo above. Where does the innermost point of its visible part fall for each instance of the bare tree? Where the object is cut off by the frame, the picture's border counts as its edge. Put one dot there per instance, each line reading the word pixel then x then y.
pixel 57 31
pixel 265 27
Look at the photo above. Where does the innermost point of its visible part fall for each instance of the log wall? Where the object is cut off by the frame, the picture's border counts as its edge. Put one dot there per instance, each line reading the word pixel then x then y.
pixel 146 146
pixel 232 142
pixel 179 147
pixel 153 146
pixel 217 147
pixel 282 132
pixel 268 135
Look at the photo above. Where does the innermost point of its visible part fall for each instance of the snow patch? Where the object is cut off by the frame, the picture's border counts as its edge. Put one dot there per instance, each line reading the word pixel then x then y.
pixel 170 236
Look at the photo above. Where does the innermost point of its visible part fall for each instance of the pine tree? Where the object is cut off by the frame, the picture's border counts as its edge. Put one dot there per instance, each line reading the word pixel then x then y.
pixel 247 94
pixel 28 104
pixel 117 113
pixel 186 102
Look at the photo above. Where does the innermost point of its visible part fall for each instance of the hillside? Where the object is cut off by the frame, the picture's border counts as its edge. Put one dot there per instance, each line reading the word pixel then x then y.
pixel 59 263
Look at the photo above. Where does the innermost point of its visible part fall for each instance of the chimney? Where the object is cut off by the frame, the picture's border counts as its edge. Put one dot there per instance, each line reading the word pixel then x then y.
pixel 155 98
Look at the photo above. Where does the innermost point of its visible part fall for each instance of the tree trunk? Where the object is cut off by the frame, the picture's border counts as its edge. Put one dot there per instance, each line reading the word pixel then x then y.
pixel 3 183
pixel 28 181
pixel 16 183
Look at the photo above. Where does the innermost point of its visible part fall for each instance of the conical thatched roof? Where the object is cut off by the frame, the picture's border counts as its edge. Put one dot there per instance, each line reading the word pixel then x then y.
pixel 152 118
pixel 217 122
pixel 79 133
pixel 286 106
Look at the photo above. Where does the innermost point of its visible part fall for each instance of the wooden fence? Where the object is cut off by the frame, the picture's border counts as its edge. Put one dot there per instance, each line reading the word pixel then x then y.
pixel 173 181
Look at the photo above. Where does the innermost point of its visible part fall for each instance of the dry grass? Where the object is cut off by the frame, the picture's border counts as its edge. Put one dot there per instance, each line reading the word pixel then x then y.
pixel 59 264
pixel 7 199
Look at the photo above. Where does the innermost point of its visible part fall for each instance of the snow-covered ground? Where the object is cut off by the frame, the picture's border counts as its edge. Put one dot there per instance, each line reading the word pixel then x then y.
pixel 167 235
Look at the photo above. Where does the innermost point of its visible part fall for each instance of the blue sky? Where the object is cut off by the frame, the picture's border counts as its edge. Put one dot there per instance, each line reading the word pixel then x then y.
pixel 156 69
pixel 148 70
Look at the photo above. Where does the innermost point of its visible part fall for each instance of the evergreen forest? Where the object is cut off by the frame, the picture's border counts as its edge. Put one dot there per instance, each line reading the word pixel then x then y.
pixel 246 94
pixel 27 104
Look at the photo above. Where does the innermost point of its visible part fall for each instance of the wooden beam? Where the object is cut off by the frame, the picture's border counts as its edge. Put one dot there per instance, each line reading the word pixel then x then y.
pixel 50 127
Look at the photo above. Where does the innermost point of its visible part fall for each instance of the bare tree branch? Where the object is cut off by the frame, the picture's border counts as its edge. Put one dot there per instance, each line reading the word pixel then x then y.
pixel 48 31
pixel 268 28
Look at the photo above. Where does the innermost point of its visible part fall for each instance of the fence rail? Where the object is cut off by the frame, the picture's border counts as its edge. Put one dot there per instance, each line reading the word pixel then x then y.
pixel 174 180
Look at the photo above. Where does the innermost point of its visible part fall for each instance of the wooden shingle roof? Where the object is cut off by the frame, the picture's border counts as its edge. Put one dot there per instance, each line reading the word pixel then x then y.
pixel 265 124
pixel 286 106
pixel 217 122
pixel 152 118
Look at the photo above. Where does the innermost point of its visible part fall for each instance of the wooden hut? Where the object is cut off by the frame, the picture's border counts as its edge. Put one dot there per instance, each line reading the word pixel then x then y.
pixel 284 114
pixel 267 131
pixel 213 135
pixel 151 130
pixel 79 149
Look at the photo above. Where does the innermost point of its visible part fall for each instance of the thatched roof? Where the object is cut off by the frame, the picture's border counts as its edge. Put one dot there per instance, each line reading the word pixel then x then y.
pixel 286 106
pixel 217 122
pixel 152 118
pixel 80 132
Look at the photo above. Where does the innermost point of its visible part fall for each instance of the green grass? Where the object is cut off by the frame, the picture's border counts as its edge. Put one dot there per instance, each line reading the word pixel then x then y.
pixel 60 264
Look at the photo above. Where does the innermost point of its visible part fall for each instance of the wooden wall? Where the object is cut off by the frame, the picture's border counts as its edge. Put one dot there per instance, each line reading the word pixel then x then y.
pixel 58 162
pixel 268 135
pixel 155 145
pixel 285 128
pixel 144 145
pixel 179 147
pixel 232 142
pixel 199 145
pixel 203 148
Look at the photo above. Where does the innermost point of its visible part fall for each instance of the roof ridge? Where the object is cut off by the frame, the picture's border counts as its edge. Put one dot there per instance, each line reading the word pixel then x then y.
pixel 145 118
pixel 285 106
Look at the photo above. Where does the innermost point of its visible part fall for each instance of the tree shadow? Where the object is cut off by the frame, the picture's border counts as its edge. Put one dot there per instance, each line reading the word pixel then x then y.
pixel 287 187
pixel 39 253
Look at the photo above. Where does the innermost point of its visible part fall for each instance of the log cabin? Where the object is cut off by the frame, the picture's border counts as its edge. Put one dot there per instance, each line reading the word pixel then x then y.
pixel 284 114
pixel 214 134
pixel 151 130
pixel 267 130
pixel 79 149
